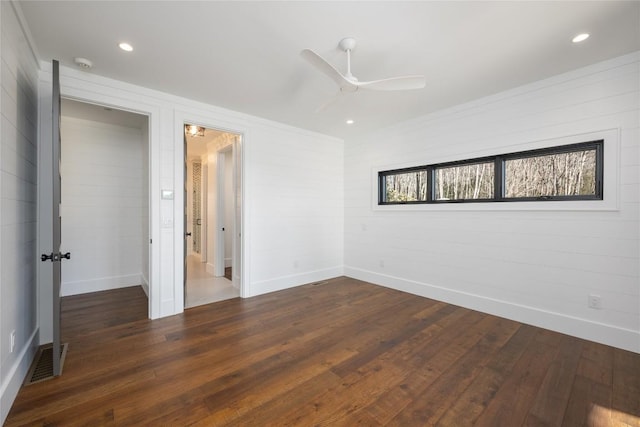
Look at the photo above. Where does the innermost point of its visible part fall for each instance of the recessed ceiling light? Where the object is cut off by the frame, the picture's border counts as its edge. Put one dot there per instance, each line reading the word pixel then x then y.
pixel 349 122
pixel 125 46
pixel 580 38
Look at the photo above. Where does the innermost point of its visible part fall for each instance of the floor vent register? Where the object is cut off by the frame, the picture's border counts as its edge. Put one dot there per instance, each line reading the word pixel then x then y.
pixel 42 367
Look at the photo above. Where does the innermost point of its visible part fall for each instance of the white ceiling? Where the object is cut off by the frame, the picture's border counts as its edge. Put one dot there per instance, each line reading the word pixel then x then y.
pixel 245 56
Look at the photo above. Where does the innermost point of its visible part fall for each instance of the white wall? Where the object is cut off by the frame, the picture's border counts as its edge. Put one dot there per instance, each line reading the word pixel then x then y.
pixel 292 171
pixel 534 266
pixel 102 204
pixel 18 177
pixel 228 208
pixel 294 192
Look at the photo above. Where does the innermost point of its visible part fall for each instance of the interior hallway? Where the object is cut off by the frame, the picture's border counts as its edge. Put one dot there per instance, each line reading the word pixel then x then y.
pixel 204 288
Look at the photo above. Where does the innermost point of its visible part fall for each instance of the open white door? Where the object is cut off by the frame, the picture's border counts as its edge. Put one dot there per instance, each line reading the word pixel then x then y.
pixel 228 217
pixel 220 228
pixel 56 256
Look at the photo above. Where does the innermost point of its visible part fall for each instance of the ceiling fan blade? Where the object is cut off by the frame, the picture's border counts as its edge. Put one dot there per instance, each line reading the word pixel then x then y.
pixel 395 83
pixel 326 68
pixel 329 103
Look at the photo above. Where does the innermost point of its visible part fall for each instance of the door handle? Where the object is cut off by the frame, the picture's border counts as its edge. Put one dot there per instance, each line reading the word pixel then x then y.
pixel 55 257
pixel 187 234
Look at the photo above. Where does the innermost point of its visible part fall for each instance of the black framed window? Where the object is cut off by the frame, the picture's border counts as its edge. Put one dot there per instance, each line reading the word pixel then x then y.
pixel 568 172
pixel 404 186
pixel 464 181
pixel 559 174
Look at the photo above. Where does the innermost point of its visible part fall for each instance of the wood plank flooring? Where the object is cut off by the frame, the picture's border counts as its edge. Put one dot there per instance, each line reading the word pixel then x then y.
pixel 342 353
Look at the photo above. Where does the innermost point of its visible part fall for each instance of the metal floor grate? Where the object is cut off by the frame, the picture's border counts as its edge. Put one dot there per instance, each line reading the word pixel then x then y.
pixel 42 366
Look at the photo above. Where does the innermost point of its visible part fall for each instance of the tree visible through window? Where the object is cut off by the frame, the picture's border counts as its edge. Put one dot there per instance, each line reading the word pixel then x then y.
pixel 563 174
pixel 569 172
pixel 406 187
pixel 470 181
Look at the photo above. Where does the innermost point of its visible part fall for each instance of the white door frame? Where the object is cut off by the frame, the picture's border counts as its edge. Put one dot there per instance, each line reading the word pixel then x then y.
pixel 167 115
pixel 189 117
pixel 221 220
pixel 204 209
pixel 44 159
pixel 219 237
pixel 238 208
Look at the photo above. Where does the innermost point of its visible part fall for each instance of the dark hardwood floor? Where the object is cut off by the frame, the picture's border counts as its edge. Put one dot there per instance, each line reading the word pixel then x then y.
pixel 342 353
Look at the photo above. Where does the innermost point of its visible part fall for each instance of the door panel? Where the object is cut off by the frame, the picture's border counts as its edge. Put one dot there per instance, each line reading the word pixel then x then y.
pixel 184 208
pixel 56 257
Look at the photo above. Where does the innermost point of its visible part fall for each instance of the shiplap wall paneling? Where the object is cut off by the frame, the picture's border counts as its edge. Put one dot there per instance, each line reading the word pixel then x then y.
pixel 296 184
pixel 531 262
pixel 102 205
pixel 18 192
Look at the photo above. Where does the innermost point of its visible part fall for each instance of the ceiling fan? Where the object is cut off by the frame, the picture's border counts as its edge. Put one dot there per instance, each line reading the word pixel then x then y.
pixel 349 83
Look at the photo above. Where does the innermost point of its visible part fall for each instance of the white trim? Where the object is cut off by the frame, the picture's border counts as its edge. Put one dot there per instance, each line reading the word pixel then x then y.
pixel 16 374
pixel 286 282
pixel 209 268
pixel 219 248
pixel 611 172
pixel 83 90
pixel 242 254
pixel 582 328
pixel 224 124
pixel 101 284
pixel 204 209
pixel 144 283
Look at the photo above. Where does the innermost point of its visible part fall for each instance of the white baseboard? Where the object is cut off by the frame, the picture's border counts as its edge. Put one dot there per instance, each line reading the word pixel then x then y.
pixel 210 269
pixel 582 328
pixel 228 262
pixel 100 284
pixel 285 282
pixel 16 374
pixel 145 284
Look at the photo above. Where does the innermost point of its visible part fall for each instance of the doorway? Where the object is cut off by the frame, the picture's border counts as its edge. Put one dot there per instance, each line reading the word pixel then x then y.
pixel 212 228
pixel 104 198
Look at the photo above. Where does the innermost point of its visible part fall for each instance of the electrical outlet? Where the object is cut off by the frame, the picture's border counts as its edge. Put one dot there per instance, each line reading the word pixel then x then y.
pixel 12 338
pixel 381 264
pixel 595 301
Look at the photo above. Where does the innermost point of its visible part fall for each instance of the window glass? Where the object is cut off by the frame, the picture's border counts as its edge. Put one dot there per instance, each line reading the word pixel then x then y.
pixel 560 174
pixel 464 182
pixel 568 172
pixel 405 187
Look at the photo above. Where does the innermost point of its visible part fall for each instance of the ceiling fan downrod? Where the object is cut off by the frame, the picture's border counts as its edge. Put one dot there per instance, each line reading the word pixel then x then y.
pixel 347 44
